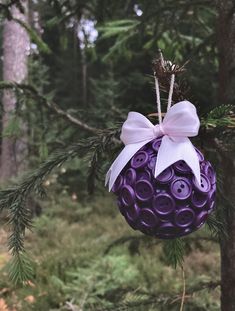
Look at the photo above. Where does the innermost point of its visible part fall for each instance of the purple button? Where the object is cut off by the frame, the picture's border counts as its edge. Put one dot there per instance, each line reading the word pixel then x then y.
pixel 184 217
pixel 148 218
pixel 144 175
pixel 200 219
pixel 211 207
pixel 204 186
pixel 163 204
pixel 127 195
pixel 181 188
pixel 200 155
pixel 210 173
pixel 118 184
pixel 213 187
pixel 144 190
pixel 198 199
pixel 156 144
pixel 211 196
pixel 130 176
pixel 121 207
pixel 132 212
pixel 211 201
pixel 140 159
pixel 165 176
pixel 152 164
pixel 182 167
pixel 168 228
pixel 202 166
pixel 132 224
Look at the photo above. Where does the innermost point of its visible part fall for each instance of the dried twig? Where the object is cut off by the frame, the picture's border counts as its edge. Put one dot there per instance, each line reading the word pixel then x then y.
pixel 163 69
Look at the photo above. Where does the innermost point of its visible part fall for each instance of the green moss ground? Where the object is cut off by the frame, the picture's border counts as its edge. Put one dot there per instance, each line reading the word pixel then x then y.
pixel 72 270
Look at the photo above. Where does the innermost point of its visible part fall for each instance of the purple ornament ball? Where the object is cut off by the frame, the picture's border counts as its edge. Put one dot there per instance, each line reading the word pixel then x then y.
pixel 169 206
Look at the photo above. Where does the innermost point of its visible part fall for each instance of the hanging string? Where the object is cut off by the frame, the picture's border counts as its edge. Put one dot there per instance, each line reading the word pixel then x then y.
pixel 158 99
pixel 171 91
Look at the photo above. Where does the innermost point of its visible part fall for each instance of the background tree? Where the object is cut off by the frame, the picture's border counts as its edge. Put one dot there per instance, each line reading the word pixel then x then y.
pixel 89 64
pixel 16 47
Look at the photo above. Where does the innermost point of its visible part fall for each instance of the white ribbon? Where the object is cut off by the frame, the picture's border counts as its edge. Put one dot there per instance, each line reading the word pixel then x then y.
pixel 180 122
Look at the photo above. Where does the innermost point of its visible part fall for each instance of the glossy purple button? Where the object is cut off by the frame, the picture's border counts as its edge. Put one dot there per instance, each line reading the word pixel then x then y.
pixel 118 184
pixel 211 196
pixel 211 201
pixel 168 228
pixel 166 176
pixel 163 204
pixel 200 219
pixel 144 175
pixel 130 176
pixel 144 190
pixel 210 173
pixel 147 218
pixel 132 212
pixel 182 167
pixel 184 217
pixel 181 189
pixel 140 159
pixel 156 144
pixel 127 195
pixel 198 199
pixel 121 207
pixel 211 207
pixel 200 155
pixel 152 164
pixel 131 223
pixel 202 166
pixel 204 186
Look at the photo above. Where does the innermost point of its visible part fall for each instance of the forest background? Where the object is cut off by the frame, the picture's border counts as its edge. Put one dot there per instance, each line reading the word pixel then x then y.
pixel 70 72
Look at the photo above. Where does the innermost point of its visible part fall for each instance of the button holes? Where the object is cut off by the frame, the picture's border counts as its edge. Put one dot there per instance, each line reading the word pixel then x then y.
pixel 182 186
pixel 179 190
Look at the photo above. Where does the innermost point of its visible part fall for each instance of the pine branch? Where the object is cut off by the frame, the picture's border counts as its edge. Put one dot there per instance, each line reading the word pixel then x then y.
pixel 14 198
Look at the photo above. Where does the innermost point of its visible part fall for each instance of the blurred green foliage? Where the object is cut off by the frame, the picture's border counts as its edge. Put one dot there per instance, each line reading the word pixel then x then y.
pixel 68 245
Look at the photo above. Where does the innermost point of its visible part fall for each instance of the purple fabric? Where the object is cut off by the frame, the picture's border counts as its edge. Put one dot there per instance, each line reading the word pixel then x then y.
pixel 169 206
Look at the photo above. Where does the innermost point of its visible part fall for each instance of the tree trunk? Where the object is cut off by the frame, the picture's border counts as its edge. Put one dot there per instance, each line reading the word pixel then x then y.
pixel 226 95
pixel 15 50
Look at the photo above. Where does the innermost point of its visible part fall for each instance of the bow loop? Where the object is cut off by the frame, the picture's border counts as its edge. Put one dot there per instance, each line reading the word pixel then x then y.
pixel 180 122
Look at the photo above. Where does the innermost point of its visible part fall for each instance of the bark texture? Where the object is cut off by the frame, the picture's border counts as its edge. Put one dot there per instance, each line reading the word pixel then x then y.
pixel 15 54
pixel 226 95
pixel 226 48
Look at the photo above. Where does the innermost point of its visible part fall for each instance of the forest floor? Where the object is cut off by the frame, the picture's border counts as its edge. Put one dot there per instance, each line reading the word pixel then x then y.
pixel 78 266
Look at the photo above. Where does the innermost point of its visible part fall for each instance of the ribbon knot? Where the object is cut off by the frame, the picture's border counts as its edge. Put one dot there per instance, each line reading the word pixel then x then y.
pixel 158 130
pixel 180 122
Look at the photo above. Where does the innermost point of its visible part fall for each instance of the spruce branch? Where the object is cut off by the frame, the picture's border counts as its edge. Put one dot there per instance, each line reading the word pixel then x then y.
pixel 136 301
pixel 174 252
pixel 14 198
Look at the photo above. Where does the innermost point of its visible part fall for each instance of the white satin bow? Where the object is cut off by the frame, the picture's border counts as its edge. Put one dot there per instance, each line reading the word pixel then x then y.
pixel 180 122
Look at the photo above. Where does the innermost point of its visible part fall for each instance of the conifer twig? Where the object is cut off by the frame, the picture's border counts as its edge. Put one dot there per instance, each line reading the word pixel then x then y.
pixel 14 198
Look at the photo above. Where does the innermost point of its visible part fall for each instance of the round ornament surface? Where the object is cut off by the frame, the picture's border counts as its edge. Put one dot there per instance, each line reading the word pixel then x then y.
pixel 169 206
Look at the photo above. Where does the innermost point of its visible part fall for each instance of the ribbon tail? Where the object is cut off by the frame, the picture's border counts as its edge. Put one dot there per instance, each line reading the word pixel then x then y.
pixel 173 150
pixel 121 161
